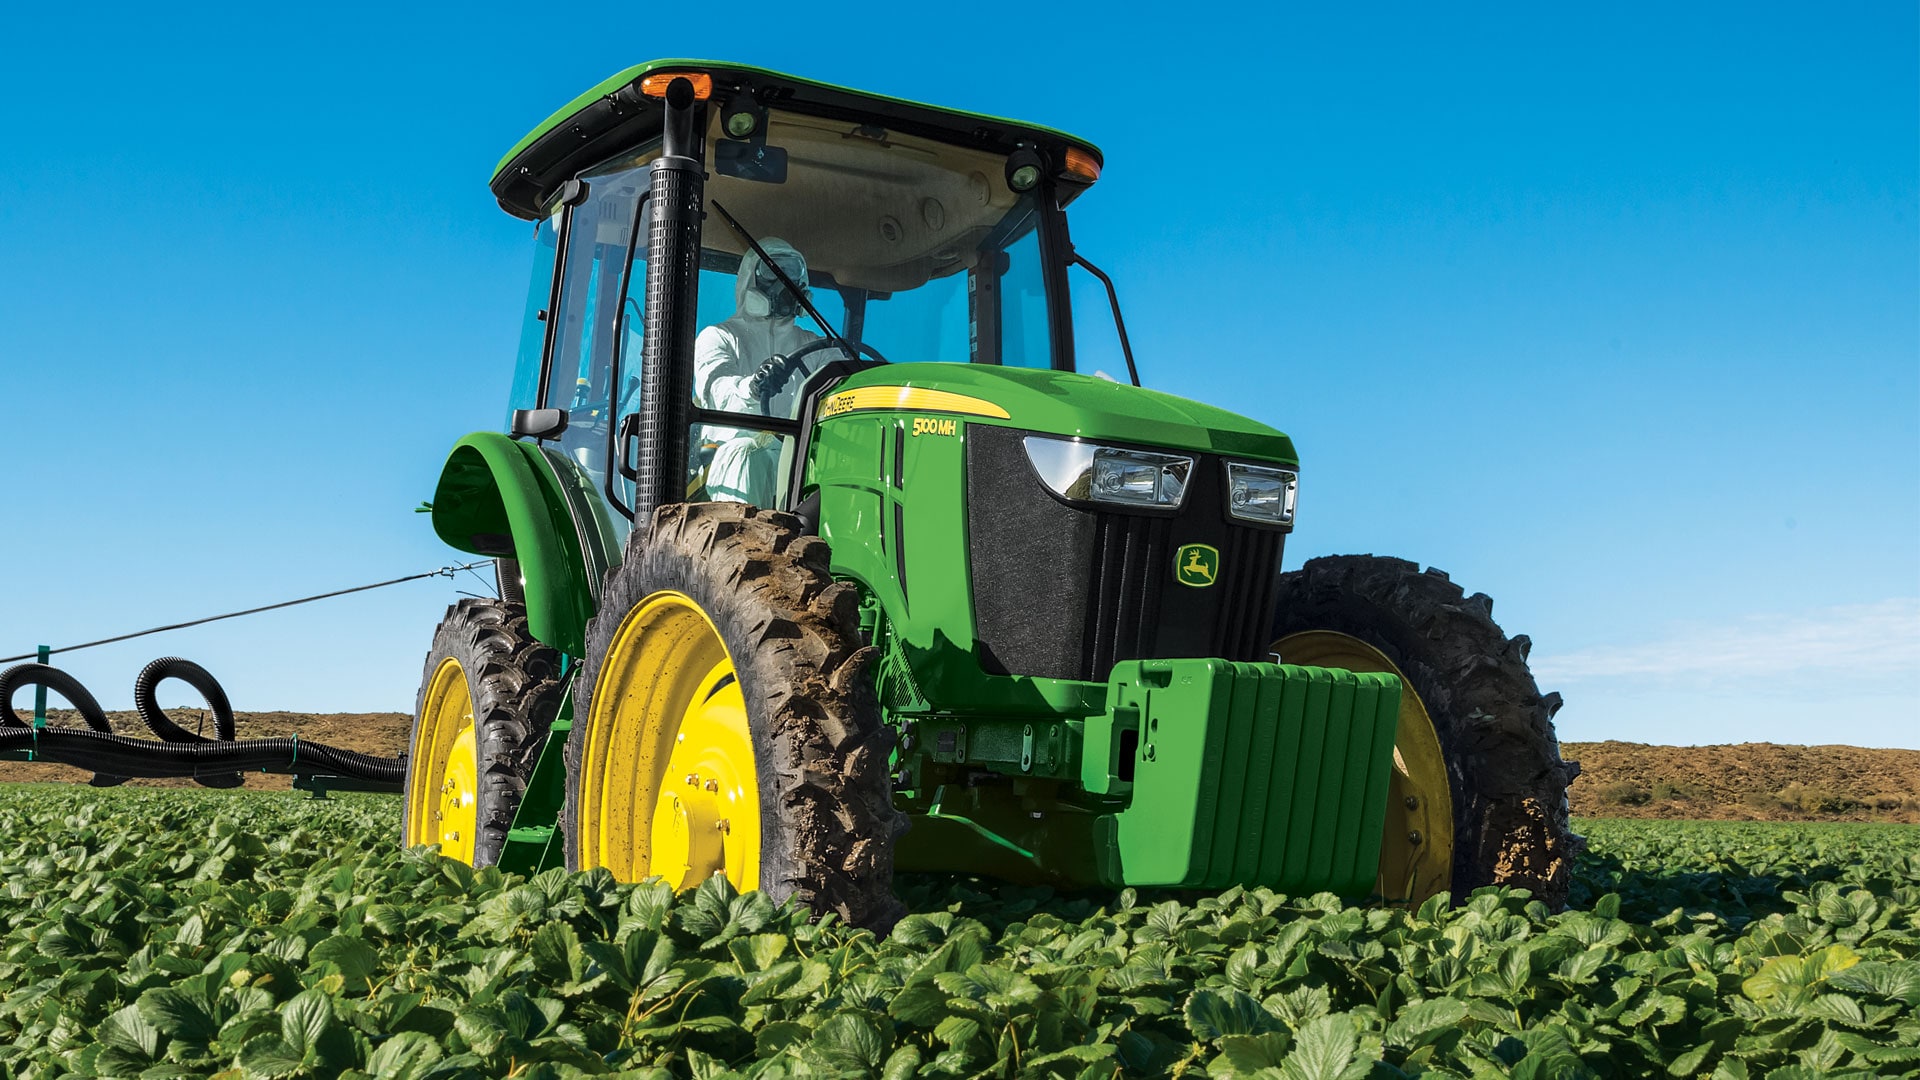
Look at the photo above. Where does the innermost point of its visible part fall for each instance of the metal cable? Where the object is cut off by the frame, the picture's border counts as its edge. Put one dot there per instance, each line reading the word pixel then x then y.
pixel 445 571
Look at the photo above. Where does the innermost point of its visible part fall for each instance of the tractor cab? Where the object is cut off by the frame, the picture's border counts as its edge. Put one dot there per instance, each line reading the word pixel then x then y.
pixel 904 235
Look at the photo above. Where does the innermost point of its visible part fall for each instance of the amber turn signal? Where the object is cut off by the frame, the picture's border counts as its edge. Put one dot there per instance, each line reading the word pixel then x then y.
pixel 1081 165
pixel 655 85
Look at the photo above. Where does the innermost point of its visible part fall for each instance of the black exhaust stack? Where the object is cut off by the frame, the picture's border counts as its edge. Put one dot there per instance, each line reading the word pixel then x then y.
pixel 675 198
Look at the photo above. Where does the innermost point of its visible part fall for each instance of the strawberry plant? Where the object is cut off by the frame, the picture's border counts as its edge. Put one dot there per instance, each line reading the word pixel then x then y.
pixel 186 933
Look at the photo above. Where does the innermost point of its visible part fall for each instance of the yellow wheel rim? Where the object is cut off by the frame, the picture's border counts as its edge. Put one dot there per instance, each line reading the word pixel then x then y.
pixel 443 777
pixel 1416 851
pixel 668 785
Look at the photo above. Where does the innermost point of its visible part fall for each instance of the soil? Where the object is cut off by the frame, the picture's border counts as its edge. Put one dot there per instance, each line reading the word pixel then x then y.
pixel 1747 782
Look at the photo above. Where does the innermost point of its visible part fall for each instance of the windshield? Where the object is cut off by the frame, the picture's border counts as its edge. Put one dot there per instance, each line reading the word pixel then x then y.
pixel 920 248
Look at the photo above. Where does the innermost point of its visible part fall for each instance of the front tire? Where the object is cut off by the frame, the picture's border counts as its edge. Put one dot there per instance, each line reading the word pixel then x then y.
pixel 487 697
pixel 1479 792
pixel 726 721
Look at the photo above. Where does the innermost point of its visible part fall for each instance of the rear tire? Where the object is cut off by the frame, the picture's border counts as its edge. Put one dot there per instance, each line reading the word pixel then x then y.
pixel 819 749
pixel 512 691
pixel 1504 772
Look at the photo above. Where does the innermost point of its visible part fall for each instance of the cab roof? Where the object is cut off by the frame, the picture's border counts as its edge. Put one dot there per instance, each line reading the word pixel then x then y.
pixel 616 116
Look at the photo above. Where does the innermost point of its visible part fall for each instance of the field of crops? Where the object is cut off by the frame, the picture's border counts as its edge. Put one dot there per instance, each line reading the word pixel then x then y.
pixel 184 933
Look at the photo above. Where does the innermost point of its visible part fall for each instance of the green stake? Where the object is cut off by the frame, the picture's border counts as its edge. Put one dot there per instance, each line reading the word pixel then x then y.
pixel 40 695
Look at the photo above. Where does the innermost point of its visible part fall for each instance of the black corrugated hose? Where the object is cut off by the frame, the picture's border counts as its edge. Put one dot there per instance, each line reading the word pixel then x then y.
pixel 183 753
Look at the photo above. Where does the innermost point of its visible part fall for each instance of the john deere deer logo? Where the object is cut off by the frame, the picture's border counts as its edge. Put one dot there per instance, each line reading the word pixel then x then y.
pixel 1196 565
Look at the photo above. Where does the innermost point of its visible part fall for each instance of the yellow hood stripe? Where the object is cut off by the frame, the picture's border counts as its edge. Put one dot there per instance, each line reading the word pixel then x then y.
pixel 908 399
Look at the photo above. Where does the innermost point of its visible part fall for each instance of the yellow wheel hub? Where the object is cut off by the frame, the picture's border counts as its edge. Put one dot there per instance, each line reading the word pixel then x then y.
pixel 443 779
pixel 1416 852
pixel 668 784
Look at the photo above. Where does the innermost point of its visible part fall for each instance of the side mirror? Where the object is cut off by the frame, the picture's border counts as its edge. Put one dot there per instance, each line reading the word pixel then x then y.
pixel 537 423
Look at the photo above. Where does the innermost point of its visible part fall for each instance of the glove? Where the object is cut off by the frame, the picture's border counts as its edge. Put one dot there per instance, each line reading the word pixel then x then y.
pixel 771 376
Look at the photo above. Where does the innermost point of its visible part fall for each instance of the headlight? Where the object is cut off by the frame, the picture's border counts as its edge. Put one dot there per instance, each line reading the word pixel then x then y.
pixel 1261 493
pixel 1084 472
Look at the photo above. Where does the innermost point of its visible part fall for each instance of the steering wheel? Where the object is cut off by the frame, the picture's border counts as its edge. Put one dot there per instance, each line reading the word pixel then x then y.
pixel 814 346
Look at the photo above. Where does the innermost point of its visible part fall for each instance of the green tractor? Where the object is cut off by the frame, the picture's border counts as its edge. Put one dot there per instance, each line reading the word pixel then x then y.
pixel 818 560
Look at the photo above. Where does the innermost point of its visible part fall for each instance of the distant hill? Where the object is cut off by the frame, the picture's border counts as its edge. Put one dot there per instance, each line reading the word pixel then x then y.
pixel 1747 781
pixel 1750 781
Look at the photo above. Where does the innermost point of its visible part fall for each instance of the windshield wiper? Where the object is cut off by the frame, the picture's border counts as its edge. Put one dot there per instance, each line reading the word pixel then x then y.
pixel 797 292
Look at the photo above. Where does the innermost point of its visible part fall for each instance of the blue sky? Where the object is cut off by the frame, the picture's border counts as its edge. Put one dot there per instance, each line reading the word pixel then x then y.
pixel 1612 313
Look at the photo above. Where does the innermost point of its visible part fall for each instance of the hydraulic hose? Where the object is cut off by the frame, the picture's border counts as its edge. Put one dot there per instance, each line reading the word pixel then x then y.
pixel 66 686
pixel 145 757
pixel 214 762
pixel 146 702
pixel 58 682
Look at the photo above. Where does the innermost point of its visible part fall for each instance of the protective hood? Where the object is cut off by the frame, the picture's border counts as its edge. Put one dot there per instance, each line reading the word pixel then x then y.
pixel 766 298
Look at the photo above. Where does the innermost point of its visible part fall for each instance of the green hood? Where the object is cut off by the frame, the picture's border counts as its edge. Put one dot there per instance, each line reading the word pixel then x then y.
pixel 1063 403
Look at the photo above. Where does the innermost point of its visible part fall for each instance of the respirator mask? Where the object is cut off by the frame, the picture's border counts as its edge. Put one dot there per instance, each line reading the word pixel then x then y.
pixel 768 297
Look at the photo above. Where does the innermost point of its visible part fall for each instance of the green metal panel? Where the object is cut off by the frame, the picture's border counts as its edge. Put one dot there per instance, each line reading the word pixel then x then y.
pixel 893 500
pixel 500 497
pixel 1255 774
pixel 634 74
pixel 1068 404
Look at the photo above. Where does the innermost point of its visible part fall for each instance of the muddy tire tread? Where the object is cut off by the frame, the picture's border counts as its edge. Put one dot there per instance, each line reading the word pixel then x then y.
pixel 820 746
pixel 516 688
pixel 1508 780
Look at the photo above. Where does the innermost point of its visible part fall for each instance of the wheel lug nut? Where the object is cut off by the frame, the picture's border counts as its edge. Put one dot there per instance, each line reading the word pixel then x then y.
pixel 713 785
pixel 724 825
pixel 692 780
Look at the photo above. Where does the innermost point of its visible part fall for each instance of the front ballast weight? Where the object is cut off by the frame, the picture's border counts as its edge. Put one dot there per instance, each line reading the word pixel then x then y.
pixel 1205 773
pixel 176 752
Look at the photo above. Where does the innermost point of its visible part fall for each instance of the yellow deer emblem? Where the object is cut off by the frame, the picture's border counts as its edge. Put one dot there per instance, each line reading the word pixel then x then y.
pixel 1197 565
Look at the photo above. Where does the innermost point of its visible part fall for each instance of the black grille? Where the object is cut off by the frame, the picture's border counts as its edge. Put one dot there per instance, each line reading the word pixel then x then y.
pixel 1130 554
pixel 1065 592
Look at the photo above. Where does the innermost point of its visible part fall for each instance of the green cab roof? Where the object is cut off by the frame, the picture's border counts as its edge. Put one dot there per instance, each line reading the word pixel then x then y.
pixel 614 116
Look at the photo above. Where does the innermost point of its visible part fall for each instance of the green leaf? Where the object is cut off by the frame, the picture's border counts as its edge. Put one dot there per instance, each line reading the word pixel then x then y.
pixel 1247 1054
pixel 904 1064
pixel 552 950
pixel 1422 1018
pixel 852 1037
pixel 1690 1062
pixel 1322 1050
pixel 776 1037
pixel 404 1056
pixel 177 1015
pixel 354 958
pixel 759 952
pixel 129 1031
pixel 270 1056
pixel 1893 981
pixel 1215 1014
pixel 481 1027
pixel 388 919
pixel 305 1019
pixel 956 1030
pixel 921 1006
pixel 1244 969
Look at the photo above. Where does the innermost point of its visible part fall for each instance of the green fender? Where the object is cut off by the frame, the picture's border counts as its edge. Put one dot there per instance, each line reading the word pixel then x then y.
pixel 510 499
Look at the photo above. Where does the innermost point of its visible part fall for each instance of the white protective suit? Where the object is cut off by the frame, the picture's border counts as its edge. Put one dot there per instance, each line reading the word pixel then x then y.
pixel 725 357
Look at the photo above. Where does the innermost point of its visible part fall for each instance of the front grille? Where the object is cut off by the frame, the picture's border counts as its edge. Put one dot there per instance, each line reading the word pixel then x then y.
pixel 1123 595
pixel 1066 592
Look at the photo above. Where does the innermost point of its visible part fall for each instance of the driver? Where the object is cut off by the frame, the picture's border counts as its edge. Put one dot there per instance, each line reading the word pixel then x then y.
pixel 741 365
